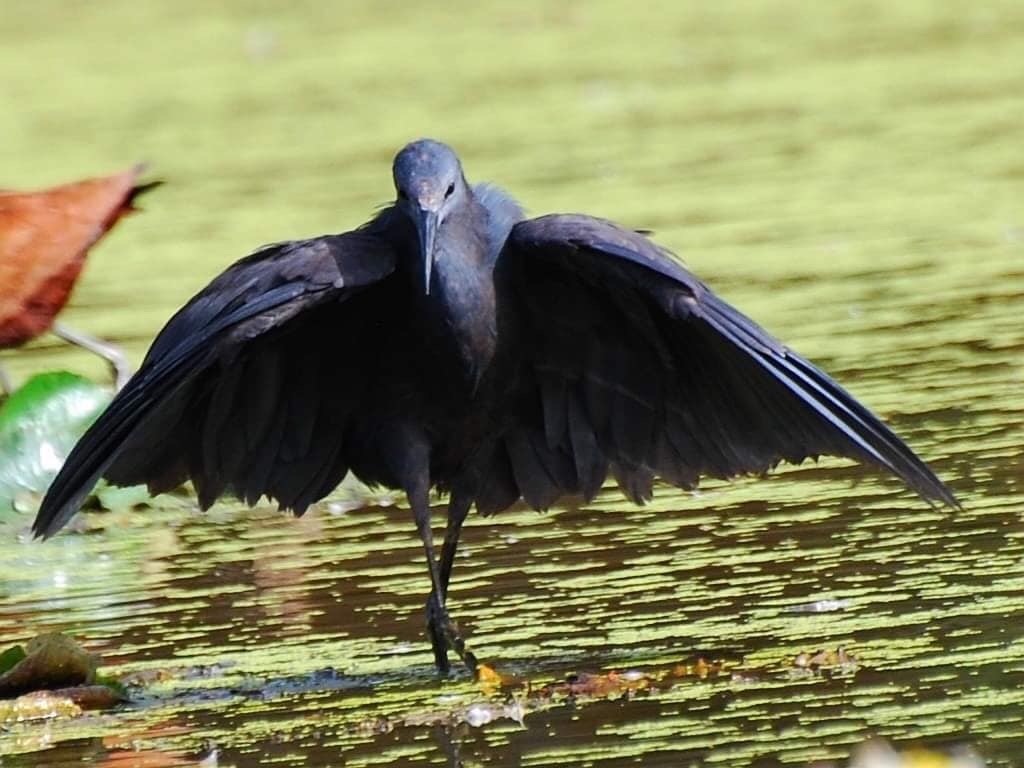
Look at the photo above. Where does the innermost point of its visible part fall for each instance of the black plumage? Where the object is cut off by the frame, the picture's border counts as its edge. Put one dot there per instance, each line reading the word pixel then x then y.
pixel 451 343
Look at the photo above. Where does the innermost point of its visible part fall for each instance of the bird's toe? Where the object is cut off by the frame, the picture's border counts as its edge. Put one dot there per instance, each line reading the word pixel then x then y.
pixel 435 631
pixel 445 635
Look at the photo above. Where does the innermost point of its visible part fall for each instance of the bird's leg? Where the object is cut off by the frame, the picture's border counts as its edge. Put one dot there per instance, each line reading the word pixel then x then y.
pixel 420 502
pixel 443 632
pixel 439 624
pixel 107 351
pixel 6 386
pixel 458 509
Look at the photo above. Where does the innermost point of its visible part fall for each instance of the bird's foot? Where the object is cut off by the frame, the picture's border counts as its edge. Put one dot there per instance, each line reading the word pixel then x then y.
pixel 122 370
pixel 109 352
pixel 444 636
pixel 6 387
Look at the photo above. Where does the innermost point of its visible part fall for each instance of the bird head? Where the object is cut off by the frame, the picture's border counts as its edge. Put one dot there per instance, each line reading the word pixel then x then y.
pixel 429 185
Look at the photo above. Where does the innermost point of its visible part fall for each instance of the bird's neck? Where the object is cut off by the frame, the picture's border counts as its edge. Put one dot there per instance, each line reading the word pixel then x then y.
pixel 462 291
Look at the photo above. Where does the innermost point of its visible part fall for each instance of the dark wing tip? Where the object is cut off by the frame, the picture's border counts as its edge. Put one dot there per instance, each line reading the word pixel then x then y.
pixel 61 502
pixel 843 426
pixel 46 525
pixel 262 291
pixel 869 437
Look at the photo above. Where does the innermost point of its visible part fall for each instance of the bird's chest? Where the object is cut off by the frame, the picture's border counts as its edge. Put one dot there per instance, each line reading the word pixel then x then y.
pixel 459 316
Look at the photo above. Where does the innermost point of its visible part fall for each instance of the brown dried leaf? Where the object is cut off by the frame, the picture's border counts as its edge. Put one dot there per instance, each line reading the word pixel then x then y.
pixel 91 696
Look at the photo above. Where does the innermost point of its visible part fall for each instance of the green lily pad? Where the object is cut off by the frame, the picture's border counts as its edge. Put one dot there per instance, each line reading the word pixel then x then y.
pixel 12 656
pixel 57 398
pixel 39 424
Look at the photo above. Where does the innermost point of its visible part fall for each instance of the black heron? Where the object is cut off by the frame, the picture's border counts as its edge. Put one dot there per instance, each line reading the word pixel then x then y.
pixel 451 343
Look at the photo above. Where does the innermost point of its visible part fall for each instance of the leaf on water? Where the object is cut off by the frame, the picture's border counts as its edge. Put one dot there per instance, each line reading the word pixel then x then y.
pixel 10 657
pixel 102 695
pixel 50 661
pixel 39 424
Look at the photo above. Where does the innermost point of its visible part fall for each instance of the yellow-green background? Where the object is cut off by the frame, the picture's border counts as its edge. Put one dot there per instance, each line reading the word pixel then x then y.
pixel 849 173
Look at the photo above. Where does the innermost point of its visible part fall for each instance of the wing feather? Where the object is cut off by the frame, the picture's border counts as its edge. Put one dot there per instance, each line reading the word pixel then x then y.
pixel 219 396
pixel 642 371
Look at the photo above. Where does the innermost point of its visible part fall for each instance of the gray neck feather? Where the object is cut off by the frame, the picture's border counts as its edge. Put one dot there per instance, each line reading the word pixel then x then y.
pixel 467 249
pixel 503 212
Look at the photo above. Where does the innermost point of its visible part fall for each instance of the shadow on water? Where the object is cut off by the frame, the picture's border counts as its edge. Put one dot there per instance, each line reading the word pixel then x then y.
pixel 273 637
pixel 831 174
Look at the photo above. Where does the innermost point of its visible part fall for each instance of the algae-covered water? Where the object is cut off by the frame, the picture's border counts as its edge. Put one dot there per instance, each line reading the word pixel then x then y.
pixel 850 174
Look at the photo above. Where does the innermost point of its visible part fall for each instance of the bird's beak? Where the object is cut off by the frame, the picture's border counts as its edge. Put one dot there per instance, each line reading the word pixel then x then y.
pixel 427 222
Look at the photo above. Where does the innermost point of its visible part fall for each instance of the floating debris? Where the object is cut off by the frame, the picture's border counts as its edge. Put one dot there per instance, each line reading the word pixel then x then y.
pixel 40 705
pixel 879 754
pixel 520 698
pixel 820 606
pixel 488 677
pixel 825 659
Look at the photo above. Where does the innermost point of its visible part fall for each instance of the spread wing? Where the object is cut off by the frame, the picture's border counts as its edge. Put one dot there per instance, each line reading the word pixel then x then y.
pixel 244 389
pixel 631 365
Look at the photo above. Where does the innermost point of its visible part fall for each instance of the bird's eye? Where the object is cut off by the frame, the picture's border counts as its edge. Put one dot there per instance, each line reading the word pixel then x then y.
pixel 451 188
pixel 402 195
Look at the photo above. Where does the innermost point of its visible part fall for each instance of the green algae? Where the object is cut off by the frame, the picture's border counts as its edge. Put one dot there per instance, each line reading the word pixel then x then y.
pixel 849 174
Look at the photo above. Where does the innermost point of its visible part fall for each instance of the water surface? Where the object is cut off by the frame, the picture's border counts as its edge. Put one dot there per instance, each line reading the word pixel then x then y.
pixel 849 175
